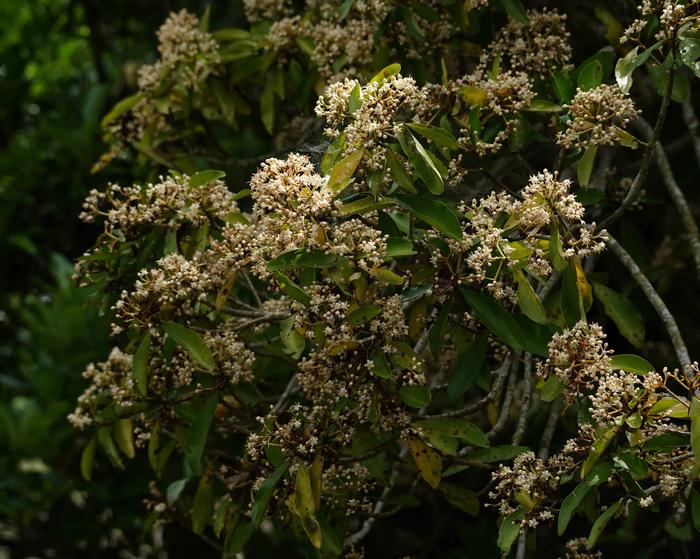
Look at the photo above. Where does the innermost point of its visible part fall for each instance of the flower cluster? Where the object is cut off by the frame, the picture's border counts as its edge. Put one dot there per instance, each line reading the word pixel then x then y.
pixel 598 117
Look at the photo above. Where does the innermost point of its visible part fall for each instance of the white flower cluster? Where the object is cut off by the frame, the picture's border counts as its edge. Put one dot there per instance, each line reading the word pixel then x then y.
pixel 597 117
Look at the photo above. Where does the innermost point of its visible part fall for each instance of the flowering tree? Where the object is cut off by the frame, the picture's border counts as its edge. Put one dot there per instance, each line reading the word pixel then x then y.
pixel 411 319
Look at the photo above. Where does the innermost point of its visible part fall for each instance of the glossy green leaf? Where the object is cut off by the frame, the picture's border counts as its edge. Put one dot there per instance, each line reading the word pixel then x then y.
pixel 460 497
pixel 584 168
pixel 623 312
pixel 198 433
pixel 344 170
pixel 516 10
pixel 264 494
pixel 192 342
pixel 205 177
pixel 501 453
pixel 509 530
pixel 87 459
pixel 415 395
pixel 140 364
pixel 434 213
pixel 203 504
pixel 591 75
pixel 439 136
pixel 601 522
pixel 498 321
pixel 572 501
pixel 386 73
pixel 292 289
pixel 398 246
pixel 466 368
pixel 631 364
pixel 528 301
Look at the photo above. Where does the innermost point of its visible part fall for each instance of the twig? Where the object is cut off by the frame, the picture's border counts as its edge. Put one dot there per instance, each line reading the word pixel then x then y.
pixel 676 194
pixel 507 400
pixel 661 309
pixel 691 121
pixel 252 289
pixel 527 397
pixel 643 171
pixel 289 390
pixel 548 433
pixel 520 553
pixel 499 378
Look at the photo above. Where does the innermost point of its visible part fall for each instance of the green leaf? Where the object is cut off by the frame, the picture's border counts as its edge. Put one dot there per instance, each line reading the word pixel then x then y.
pixel 344 9
pixel 425 167
pixel 689 45
pixel 563 87
pixel 528 301
pixel 192 342
pixel 575 498
pixel 695 508
pixel 552 388
pixel 434 213
pixel 591 75
pixel 140 364
pixel 597 448
pixel 624 314
pixel 571 301
pixel 555 247
pixel 264 494
pixel 225 101
pixel 439 136
pixel 302 259
pixel 344 170
pixel 380 367
pixel 437 331
pixel 104 436
pixel 363 205
pixel 694 414
pixel 362 314
pixel 87 459
pixel 198 433
pixel 515 9
pixel 384 275
pixel 631 364
pixel 175 489
pixel 415 395
pixel 601 522
pixel 203 504
pixel 498 321
pixel 584 168
pixel 456 428
pixel 460 497
pixel 205 177
pixel 509 530
pixel 544 106
pixel 386 73
pixel 305 507
pixel 399 173
pixel 121 108
pixel 124 436
pixel 500 453
pixel 466 369
pixel 398 246
pixel 292 289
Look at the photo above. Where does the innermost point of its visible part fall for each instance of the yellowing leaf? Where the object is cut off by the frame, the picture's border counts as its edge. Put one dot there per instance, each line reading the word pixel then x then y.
pixel 344 170
pixel 428 461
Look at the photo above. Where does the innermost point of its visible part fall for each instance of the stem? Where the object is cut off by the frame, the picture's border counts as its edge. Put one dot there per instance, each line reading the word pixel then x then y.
pixel 549 429
pixel 527 397
pixel 661 309
pixel 676 194
pixel 691 121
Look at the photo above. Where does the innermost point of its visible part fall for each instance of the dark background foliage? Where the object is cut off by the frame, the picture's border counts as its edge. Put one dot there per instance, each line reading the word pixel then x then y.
pixel 63 63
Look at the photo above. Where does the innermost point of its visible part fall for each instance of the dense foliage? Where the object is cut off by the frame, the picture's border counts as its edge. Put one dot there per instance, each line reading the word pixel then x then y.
pixel 391 338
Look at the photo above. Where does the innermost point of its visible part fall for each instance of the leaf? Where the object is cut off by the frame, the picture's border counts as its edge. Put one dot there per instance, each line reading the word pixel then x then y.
pixel 380 366
pixel 434 213
pixel 584 168
pixel 305 507
pixel 121 108
pixel 474 97
pixel 384 275
pixel 591 75
pixel 302 259
pixel 205 177
pixel 292 289
pixel 197 434
pixel 398 246
pixel 225 101
pixel 344 9
pixel 515 9
pixel 631 364
pixel 104 436
pixel 264 494
pixel 344 170
pixel 575 498
pixel 124 436
pixel 601 522
pixel 500 453
pixel 427 460
pixel 694 414
pixel 570 298
pixel 87 459
pixel 386 73
pixel 555 247
pixel 192 342
pixel 424 166
pixel 203 504
pixel 466 369
pixel 460 497
pixel 267 105
pixel 456 428
pixel 399 173
pixel 509 530
pixel 552 388
pixel 140 364
pixel 175 489
pixel 689 45
pixel 439 136
pixel 695 508
pixel 528 301
pixel 415 395
pixel 597 448
pixel 544 106
pixel 498 321
pixel 437 331
pixel 363 205
pixel 624 314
